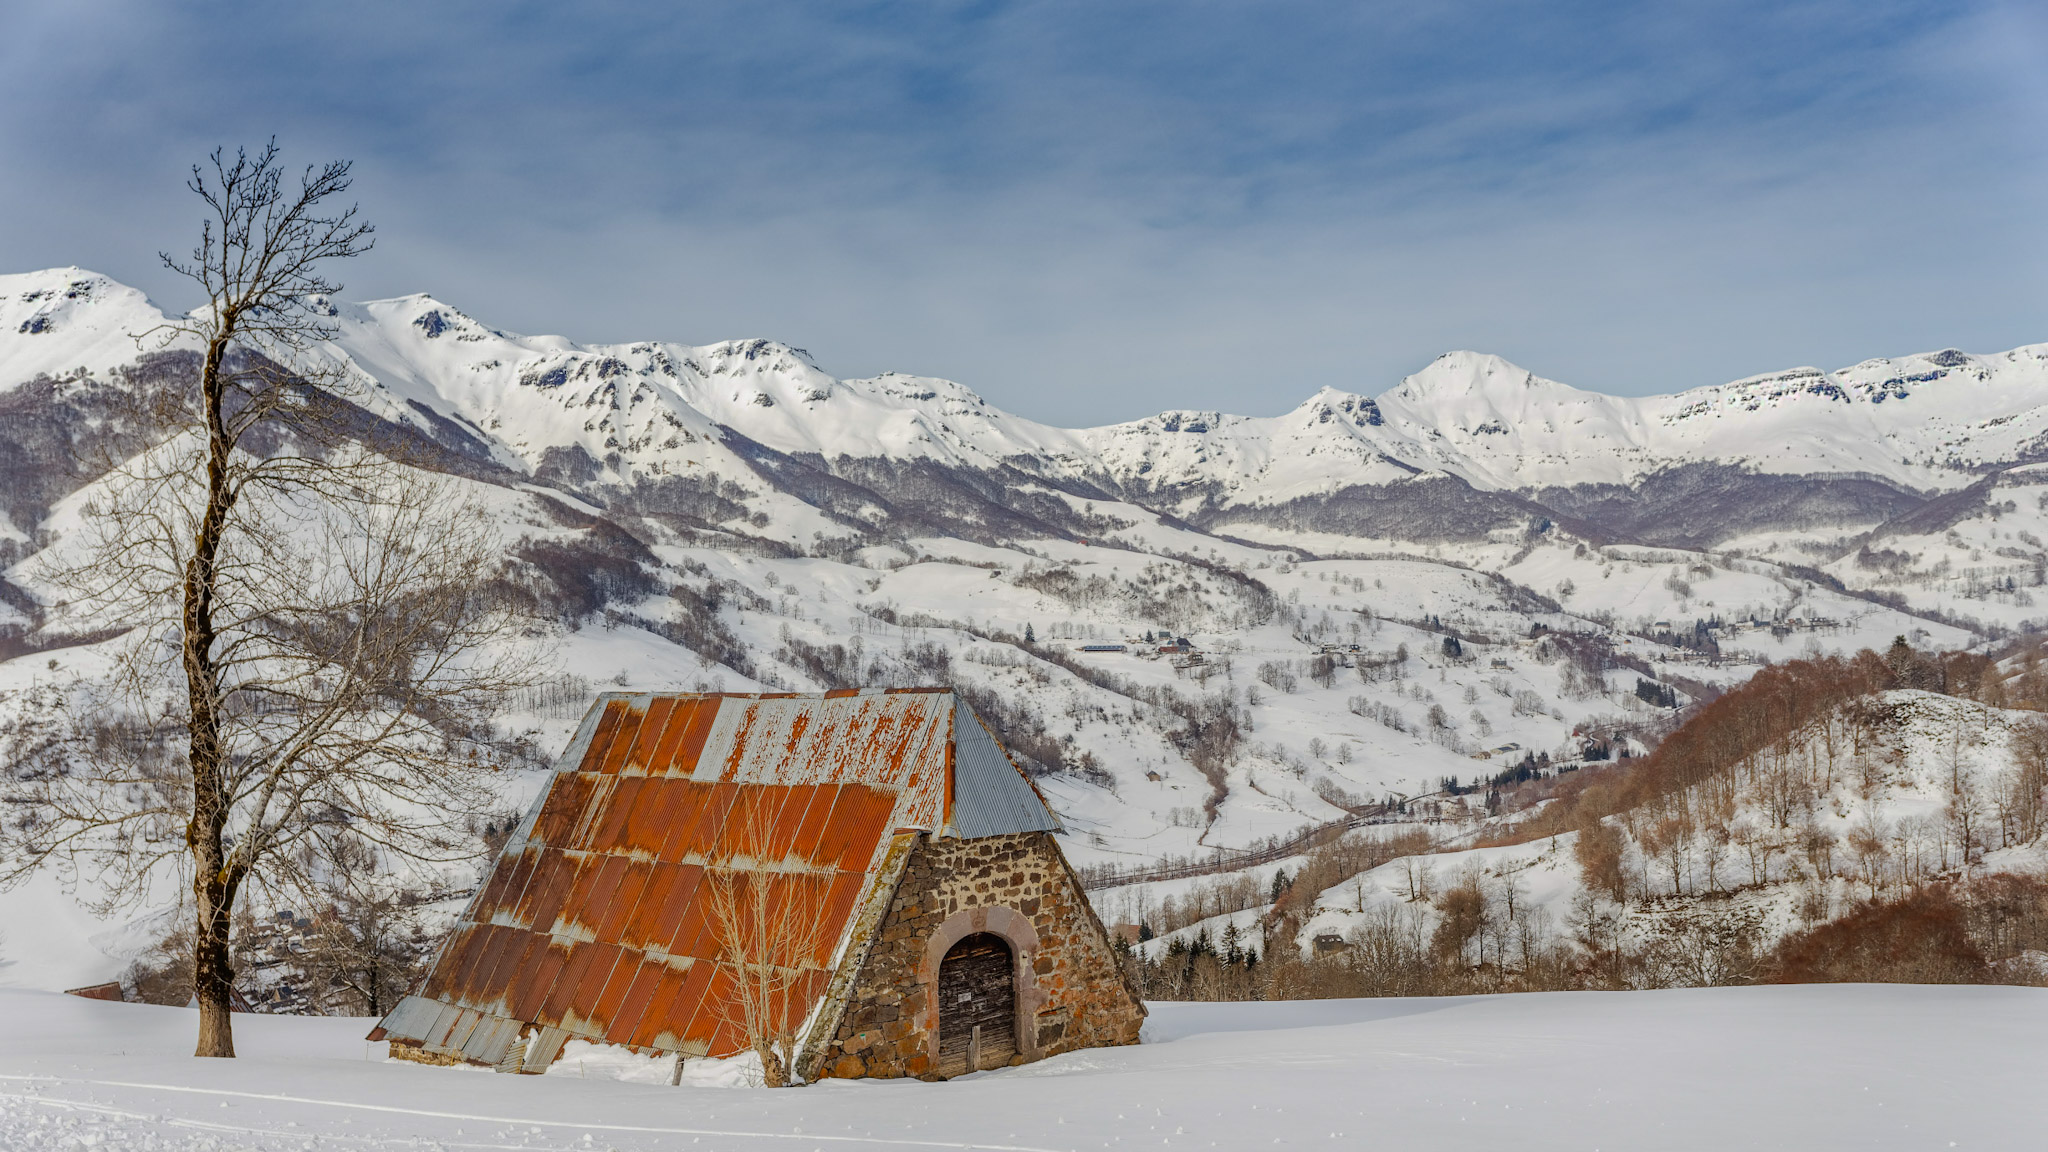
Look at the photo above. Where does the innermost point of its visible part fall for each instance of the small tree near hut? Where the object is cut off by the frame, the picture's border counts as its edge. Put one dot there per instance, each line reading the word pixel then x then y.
pixel 766 911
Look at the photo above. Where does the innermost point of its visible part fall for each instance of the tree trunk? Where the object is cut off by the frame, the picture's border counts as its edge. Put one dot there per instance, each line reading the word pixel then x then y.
pixel 213 972
pixel 213 882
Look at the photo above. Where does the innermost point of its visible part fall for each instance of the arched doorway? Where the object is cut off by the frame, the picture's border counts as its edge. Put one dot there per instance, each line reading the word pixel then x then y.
pixel 977 1005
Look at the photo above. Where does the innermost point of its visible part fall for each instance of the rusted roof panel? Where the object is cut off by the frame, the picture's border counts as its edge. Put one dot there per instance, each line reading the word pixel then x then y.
pixel 540 960
pixel 601 918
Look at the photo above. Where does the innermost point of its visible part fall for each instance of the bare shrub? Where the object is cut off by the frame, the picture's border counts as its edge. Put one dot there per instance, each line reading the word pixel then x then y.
pixel 1277 675
pixel 1704 946
pixel 1379 712
pixel 1461 911
pixel 765 907
pixel 367 946
pixel 1334 861
pixel 699 627
pixel 163 973
pixel 2024 801
pixel 1599 849
pixel 576 577
pixel 2007 916
pixel 1922 938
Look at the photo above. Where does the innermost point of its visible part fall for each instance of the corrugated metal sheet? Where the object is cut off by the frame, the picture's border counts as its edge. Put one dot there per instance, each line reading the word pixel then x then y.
pixel 411 1017
pixel 491 1040
pixel 597 919
pixel 990 796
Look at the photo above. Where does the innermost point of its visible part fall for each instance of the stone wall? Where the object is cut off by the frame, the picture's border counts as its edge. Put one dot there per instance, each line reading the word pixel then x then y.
pixel 1071 991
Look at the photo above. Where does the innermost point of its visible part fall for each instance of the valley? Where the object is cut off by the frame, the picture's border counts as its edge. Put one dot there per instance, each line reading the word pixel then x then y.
pixel 1200 633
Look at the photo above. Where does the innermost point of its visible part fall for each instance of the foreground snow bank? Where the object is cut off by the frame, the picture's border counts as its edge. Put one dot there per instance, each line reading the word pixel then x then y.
pixel 1799 1068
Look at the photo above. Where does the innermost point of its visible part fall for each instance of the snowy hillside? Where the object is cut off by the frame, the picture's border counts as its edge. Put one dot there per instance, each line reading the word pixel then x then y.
pixel 1815 824
pixel 1476 569
pixel 1804 841
pixel 1831 1066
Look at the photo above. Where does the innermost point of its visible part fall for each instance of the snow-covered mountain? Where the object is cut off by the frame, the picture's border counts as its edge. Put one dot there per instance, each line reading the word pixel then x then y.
pixel 1925 423
pixel 1916 426
pixel 733 516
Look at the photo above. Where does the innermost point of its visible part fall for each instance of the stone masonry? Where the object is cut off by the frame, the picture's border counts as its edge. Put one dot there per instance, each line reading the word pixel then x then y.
pixel 1071 990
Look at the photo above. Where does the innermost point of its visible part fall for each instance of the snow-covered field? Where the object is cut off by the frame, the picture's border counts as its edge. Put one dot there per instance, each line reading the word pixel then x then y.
pixel 1816 1067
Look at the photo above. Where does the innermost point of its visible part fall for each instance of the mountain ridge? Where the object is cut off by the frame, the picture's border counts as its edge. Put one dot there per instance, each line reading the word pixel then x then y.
pixel 752 437
pixel 1473 415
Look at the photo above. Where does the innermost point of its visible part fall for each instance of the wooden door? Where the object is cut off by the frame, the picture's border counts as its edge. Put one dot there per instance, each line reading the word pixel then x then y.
pixel 977 1005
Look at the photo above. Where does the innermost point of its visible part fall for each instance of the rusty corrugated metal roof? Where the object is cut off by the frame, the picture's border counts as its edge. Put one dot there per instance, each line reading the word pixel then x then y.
pixel 601 916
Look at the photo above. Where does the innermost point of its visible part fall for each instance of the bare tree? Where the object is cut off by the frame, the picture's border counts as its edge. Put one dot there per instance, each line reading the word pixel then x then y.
pixel 309 647
pixel 1965 808
pixel 767 909
pixel 2023 806
pixel 367 946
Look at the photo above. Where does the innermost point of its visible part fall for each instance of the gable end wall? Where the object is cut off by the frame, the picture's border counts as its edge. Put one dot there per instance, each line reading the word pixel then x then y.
pixel 1071 991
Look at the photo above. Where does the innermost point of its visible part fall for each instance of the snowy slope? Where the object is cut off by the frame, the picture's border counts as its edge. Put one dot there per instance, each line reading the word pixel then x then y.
pixel 1818 1067
pixel 1921 421
pixel 809 532
pixel 605 425
pixel 1977 553
pixel 1885 812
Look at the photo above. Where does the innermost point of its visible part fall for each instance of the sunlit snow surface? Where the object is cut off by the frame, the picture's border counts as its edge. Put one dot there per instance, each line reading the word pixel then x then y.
pixel 1815 1067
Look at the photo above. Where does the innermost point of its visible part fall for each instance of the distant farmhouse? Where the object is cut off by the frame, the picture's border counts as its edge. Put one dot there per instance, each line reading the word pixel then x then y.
pixel 852 884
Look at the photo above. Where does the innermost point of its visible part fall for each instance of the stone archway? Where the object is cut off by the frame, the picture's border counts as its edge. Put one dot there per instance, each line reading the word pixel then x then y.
pixel 1016 932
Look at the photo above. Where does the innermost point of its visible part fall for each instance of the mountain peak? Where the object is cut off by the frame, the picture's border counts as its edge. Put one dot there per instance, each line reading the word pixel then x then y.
pixel 1464 373
pixel 71 318
pixel 51 289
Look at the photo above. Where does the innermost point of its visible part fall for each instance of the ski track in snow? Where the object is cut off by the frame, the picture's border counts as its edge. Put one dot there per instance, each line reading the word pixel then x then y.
pixel 87 1106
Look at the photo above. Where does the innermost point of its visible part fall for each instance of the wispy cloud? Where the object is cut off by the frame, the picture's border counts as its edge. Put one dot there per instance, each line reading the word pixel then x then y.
pixel 1089 211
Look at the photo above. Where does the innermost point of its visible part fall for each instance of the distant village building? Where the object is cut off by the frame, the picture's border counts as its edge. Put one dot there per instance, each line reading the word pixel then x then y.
pixel 1503 750
pixel 868 869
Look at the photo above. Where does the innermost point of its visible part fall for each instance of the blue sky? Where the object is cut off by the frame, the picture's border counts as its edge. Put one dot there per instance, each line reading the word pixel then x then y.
pixel 1092 211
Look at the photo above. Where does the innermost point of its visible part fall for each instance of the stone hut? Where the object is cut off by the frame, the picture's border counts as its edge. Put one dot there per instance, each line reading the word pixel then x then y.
pixel 861 882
